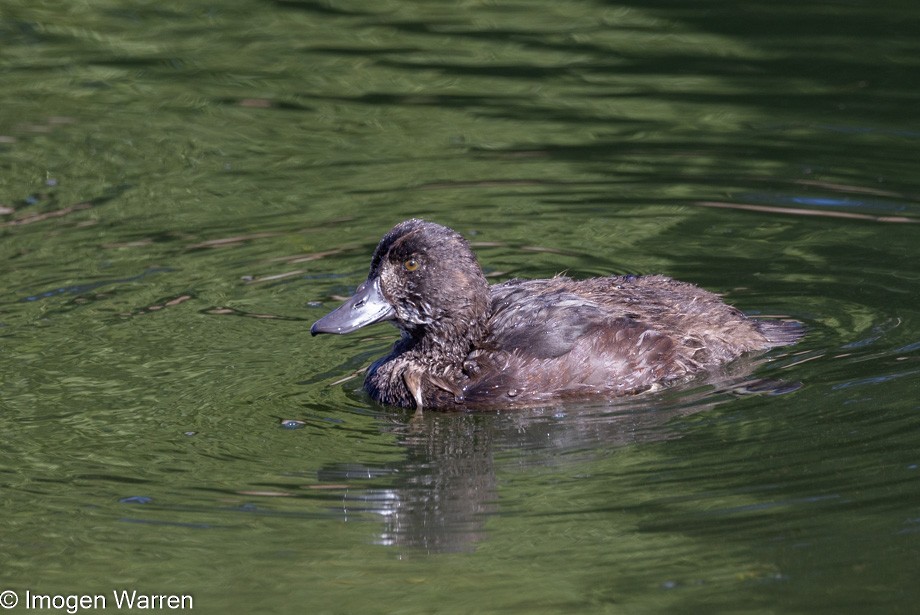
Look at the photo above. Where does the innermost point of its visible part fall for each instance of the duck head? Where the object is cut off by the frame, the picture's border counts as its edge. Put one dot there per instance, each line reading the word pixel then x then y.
pixel 424 279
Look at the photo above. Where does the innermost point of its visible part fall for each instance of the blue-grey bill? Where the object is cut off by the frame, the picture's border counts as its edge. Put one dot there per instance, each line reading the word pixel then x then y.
pixel 366 307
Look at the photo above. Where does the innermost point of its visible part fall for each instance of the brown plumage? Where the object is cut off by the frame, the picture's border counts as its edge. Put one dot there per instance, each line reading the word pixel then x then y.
pixel 468 345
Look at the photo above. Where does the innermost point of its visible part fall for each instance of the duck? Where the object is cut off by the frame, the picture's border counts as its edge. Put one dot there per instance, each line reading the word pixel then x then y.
pixel 467 345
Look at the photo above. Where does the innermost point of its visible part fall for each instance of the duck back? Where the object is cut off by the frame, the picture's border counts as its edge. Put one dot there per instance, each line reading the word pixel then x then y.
pixel 620 335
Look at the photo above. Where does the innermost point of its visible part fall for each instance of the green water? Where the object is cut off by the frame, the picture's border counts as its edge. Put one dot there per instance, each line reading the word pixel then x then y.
pixel 186 186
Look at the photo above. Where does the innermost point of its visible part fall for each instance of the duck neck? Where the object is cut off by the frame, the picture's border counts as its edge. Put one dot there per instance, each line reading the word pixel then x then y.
pixel 446 344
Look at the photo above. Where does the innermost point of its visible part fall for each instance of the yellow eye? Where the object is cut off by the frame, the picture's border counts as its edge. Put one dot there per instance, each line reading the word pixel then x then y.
pixel 411 264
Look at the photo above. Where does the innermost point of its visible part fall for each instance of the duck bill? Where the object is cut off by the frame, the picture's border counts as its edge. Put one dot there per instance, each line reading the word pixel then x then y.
pixel 366 307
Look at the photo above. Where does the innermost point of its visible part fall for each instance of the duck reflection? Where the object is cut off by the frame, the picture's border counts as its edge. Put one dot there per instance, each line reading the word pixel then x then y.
pixel 441 496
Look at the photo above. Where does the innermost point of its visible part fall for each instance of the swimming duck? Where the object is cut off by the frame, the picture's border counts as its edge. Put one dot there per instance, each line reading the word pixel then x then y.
pixel 468 345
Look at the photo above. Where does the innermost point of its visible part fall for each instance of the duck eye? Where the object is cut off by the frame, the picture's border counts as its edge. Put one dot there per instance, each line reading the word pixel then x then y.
pixel 411 264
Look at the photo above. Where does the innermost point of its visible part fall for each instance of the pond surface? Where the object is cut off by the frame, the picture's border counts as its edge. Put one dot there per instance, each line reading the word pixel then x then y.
pixel 185 187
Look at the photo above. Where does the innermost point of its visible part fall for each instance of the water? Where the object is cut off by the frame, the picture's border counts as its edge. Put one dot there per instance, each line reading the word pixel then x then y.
pixel 189 185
